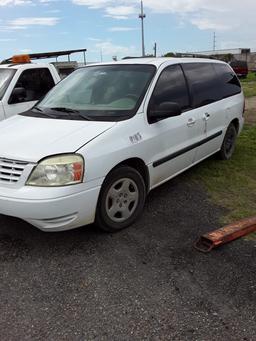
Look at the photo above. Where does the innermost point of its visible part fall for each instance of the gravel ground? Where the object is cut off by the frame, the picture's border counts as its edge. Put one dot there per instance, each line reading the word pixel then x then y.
pixel 144 283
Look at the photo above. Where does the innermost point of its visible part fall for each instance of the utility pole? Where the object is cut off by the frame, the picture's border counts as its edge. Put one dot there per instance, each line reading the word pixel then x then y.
pixel 214 41
pixel 154 50
pixel 142 16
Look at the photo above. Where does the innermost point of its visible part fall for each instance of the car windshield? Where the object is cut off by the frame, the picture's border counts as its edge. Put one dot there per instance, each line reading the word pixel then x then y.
pixel 105 92
pixel 5 78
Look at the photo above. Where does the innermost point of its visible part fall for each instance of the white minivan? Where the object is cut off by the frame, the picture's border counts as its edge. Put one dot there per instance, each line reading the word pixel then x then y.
pixel 106 135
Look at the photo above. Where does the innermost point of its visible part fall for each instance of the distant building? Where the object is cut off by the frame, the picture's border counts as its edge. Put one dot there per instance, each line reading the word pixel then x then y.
pixel 243 54
pixel 238 51
pixel 65 68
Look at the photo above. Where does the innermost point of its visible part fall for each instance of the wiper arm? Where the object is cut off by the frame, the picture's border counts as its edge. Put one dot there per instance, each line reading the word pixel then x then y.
pixel 63 109
pixel 80 114
pixel 37 109
pixel 72 111
pixel 44 113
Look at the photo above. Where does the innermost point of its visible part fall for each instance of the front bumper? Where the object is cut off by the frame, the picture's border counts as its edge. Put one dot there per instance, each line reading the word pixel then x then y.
pixel 52 214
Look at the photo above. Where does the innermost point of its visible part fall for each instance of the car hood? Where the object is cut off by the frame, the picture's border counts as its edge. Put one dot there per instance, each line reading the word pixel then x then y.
pixel 31 139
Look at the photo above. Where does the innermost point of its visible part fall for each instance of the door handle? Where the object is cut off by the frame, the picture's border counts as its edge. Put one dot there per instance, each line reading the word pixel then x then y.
pixel 191 122
pixel 207 116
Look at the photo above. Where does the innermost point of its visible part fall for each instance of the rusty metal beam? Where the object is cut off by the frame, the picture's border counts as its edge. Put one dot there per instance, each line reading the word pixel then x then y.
pixel 226 234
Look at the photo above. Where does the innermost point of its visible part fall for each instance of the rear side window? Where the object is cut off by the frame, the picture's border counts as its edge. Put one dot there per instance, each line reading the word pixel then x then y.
pixel 229 83
pixel 171 87
pixel 203 83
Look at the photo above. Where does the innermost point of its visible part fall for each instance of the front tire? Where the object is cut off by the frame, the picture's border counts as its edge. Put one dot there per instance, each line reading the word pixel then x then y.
pixel 228 145
pixel 121 199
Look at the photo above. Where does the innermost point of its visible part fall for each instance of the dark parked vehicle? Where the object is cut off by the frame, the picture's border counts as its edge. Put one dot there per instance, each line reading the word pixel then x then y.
pixel 240 68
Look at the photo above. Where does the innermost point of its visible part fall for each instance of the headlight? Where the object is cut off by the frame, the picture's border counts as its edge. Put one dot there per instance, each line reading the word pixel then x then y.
pixel 59 170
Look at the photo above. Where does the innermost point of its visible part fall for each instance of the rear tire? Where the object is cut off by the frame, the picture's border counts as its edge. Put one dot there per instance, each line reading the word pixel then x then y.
pixel 121 199
pixel 228 145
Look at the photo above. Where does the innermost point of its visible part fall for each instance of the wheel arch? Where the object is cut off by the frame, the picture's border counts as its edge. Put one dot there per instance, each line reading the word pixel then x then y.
pixel 235 121
pixel 139 165
pixel 101 218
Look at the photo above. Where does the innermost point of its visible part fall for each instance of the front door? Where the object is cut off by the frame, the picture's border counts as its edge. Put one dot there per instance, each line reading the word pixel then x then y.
pixel 171 140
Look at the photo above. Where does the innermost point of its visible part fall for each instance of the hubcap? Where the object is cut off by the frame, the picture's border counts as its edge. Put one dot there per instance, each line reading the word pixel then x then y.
pixel 122 200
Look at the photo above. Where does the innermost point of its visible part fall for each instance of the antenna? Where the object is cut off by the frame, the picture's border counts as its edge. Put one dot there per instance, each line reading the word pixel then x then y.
pixel 142 16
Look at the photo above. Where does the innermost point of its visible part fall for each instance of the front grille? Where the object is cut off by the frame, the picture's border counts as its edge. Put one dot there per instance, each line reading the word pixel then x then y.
pixel 10 170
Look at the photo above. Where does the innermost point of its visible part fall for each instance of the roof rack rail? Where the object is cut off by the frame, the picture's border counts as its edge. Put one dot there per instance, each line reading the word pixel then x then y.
pixel 192 55
pixel 176 55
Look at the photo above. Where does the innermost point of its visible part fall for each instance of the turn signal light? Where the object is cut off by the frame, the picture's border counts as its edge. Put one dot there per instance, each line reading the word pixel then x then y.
pixel 77 171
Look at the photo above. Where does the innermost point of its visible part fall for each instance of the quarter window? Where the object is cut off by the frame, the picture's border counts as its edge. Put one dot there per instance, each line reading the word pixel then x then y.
pixel 229 83
pixel 171 87
pixel 203 83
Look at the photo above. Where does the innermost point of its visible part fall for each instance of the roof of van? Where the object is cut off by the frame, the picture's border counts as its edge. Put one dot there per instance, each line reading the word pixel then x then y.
pixel 159 61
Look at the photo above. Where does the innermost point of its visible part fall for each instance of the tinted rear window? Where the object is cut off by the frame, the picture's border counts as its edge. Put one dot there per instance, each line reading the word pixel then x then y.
pixel 229 83
pixel 203 83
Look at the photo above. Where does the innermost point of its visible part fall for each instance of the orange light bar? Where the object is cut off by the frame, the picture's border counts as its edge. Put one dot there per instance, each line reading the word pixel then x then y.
pixel 20 59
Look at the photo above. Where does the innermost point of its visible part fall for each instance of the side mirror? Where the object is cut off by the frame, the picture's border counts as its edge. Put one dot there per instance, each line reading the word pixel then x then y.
pixel 18 95
pixel 163 110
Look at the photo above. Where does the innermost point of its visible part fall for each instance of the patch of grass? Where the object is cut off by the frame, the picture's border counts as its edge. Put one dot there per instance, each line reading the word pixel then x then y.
pixel 249 85
pixel 249 89
pixel 232 184
pixel 251 77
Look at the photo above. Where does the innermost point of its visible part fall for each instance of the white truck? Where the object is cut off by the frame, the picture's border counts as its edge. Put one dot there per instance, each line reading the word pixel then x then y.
pixel 23 84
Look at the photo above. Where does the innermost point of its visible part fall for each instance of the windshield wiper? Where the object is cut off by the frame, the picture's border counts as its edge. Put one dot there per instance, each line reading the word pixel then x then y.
pixel 64 109
pixel 72 111
pixel 44 113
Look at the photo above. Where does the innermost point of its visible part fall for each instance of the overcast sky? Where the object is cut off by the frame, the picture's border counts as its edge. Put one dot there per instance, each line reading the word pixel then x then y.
pixel 113 27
